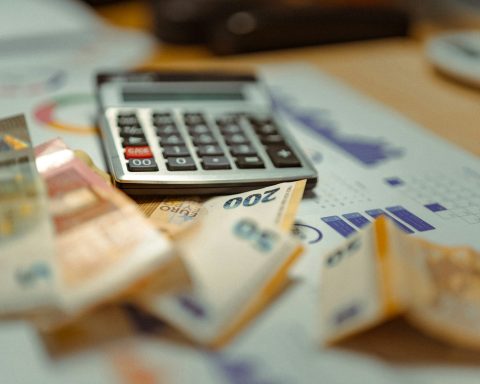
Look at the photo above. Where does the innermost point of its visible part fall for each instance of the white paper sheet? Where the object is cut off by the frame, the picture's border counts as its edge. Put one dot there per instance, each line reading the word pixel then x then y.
pixel 279 346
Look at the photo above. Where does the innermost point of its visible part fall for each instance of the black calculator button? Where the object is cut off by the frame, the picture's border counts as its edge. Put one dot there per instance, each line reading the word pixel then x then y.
pixel 130 130
pixel 215 162
pixel 209 150
pixel 175 150
pixel 166 130
pixel 282 156
pixel 266 129
pixel 198 129
pixel 203 139
pixel 227 120
pixel 243 150
pixel 184 163
pixel 161 119
pixel 231 129
pixel 124 120
pixel 237 138
pixel 272 139
pixel 142 165
pixel 174 139
pixel 249 162
pixel 134 141
pixel 257 122
pixel 193 118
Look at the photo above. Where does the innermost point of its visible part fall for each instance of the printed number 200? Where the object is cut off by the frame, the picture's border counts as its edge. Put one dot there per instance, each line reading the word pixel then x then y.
pixel 251 200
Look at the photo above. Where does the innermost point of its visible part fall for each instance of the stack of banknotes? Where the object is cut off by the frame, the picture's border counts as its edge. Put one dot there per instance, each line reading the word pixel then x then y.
pixel 71 244
pixel 73 248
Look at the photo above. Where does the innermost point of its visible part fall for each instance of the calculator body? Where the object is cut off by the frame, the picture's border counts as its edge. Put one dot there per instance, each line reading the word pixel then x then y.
pixel 194 133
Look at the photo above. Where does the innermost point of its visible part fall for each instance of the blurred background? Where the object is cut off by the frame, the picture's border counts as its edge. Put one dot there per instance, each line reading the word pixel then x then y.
pixel 239 26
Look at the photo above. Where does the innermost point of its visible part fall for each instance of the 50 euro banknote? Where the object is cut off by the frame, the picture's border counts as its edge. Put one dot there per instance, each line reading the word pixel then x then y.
pixel 105 248
pixel 381 272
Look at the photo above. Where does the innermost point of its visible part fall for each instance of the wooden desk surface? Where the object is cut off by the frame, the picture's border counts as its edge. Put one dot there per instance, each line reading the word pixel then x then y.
pixel 393 71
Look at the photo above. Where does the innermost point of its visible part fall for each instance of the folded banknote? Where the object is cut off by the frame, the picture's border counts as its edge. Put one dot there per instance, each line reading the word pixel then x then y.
pixel 105 248
pixel 382 272
pixel 26 232
pixel 238 254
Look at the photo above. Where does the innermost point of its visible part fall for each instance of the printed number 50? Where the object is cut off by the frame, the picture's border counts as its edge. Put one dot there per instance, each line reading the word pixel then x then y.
pixel 251 200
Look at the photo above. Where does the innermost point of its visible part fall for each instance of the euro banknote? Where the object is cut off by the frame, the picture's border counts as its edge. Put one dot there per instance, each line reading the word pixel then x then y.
pixel 105 247
pixel 26 232
pixel 382 272
pixel 236 265
pixel 274 204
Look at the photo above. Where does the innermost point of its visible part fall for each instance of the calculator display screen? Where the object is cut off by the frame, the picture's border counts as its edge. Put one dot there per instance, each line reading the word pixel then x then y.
pixel 139 96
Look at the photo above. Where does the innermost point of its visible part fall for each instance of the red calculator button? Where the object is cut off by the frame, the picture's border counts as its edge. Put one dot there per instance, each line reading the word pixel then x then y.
pixel 138 152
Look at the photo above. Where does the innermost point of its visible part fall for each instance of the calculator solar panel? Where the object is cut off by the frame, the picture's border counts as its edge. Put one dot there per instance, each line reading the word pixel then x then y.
pixel 194 134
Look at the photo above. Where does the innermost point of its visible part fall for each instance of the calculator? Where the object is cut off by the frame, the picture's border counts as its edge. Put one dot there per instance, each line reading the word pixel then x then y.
pixel 177 133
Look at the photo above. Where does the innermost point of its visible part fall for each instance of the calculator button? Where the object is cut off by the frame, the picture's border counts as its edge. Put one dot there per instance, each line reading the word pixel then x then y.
pixel 127 119
pixel 160 119
pixel 227 120
pixel 138 152
pixel 249 162
pixel 142 165
pixel 175 150
pixel 203 139
pixel 134 141
pixel 184 163
pixel 130 130
pixel 174 139
pixel 257 122
pixel 266 129
pixel 193 118
pixel 237 138
pixel 243 150
pixel 272 139
pixel 198 129
pixel 209 150
pixel 166 130
pixel 282 156
pixel 215 162
pixel 231 129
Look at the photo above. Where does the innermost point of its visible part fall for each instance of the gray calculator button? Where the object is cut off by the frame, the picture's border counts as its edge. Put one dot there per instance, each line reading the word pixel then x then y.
pixel 249 162
pixel 142 165
pixel 203 139
pixel 175 150
pixel 134 141
pixel 209 150
pixel 198 129
pixel 215 162
pixel 243 150
pixel 166 130
pixel 237 138
pixel 184 163
pixel 174 139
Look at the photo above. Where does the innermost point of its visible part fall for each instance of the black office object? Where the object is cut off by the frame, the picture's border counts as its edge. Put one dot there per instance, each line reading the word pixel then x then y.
pixel 239 26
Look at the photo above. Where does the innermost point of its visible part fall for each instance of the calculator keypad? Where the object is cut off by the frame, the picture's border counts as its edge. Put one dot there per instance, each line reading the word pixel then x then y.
pixel 190 140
